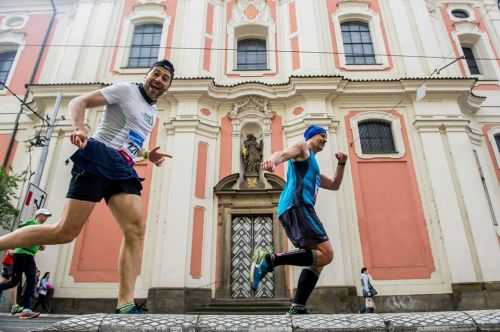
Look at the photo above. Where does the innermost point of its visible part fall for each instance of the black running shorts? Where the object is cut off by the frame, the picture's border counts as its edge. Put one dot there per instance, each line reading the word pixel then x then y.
pixel 86 186
pixel 303 227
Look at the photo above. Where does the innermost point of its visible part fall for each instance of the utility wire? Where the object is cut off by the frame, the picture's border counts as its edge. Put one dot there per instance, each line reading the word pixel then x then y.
pixel 24 104
pixel 258 51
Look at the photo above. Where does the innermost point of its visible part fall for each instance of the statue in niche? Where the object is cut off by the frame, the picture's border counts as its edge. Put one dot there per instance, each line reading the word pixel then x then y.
pixel 251 154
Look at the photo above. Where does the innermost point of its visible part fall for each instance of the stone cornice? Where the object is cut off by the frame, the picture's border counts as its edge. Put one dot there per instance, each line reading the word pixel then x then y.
pixel 303 85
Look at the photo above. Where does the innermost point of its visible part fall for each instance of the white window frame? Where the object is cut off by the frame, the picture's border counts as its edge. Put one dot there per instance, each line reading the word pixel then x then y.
pixel 491 136
pixel 360 12
pixel 397 134
pixel 144 13
pixel 237 32
pixel 240 27
pixel 467 34
pixel 466 8
pixel 11 41
pixel 476 40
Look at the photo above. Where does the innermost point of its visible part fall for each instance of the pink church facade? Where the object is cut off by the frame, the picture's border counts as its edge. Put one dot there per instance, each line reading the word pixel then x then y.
pixel 420 202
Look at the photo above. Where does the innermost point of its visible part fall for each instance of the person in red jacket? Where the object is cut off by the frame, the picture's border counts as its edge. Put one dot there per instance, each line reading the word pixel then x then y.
pixel 6 275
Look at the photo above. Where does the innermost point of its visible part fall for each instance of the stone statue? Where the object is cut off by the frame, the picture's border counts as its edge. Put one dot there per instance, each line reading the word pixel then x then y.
pixel 251 154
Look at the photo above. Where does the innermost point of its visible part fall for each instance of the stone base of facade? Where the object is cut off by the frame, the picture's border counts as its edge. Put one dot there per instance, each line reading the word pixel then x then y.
pixel 177 300
pixel 465 296
pixel 328 300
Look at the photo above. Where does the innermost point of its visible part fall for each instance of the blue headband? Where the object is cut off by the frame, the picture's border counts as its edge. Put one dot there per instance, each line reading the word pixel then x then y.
pixel 313 130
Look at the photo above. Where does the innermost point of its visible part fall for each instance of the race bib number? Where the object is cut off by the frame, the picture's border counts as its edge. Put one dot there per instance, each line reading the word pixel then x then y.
pixel 133 144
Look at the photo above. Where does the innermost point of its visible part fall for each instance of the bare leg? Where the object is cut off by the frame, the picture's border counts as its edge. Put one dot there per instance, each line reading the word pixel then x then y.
pixel 323 254
pixel 74 216
pixel 127 210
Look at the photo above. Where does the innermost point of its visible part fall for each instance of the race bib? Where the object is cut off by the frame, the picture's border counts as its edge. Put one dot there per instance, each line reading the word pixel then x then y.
pixel 133 144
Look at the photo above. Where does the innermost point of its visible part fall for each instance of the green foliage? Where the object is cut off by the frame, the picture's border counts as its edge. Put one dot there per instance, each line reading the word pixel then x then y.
pixel 8 194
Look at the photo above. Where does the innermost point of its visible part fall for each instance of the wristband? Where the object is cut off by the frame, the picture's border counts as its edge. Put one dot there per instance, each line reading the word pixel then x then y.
pixel 145 154
pixel 342 164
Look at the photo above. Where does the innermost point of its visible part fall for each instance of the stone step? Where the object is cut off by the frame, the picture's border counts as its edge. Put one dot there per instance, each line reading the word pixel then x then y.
pixel 247 306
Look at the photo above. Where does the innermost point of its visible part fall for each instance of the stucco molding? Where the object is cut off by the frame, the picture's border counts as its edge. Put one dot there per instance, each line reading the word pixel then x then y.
pixel 440 124
pixel 191 124
pixel 296 127
pixel 470 104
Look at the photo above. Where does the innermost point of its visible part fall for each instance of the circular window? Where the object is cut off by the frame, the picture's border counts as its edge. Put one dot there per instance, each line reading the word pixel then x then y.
pixel 14 22
pixel 459 13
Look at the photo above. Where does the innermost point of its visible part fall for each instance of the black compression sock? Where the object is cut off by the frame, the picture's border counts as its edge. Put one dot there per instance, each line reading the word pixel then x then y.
pixel 299 257
pixel 307 281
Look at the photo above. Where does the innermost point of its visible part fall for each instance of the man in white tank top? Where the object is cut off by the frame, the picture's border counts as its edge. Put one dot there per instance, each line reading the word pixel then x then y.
pixel 103 168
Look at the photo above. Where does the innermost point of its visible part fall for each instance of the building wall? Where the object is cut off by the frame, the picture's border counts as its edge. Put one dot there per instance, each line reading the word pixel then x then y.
pixel 433 225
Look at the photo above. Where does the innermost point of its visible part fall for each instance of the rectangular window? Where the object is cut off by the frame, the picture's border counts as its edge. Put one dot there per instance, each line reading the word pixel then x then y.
pixel 145 46
pixel 497 141
pixel 358 46
pixel 252 55
pixel 376 137
pixel 471 61
pixel 6 60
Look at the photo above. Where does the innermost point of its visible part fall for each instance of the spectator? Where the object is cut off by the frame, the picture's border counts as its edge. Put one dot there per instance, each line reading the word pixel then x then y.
pixel 368 291
pixel 6 275
pixel 44 288
pixel 24 263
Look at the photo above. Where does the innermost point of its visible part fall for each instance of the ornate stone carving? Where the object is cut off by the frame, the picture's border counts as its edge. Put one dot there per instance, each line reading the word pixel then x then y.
pixel 251 104
pixel 251 156
pixel 252 11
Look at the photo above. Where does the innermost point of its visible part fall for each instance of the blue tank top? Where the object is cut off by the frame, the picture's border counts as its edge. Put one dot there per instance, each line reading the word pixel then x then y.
pixel 302 184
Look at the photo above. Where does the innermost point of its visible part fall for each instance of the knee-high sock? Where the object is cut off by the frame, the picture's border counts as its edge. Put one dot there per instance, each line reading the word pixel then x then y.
pixel 307 281
pixel 299 257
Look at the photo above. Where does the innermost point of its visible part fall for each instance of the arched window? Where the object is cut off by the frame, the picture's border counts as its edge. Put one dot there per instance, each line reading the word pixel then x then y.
pixel 252 54
pixel 497 140
pixel 6 60
pixel 145 46
pixel 358 45
pixel 376 137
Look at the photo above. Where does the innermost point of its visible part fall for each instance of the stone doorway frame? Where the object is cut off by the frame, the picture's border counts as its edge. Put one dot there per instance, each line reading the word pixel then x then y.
pixel 247 202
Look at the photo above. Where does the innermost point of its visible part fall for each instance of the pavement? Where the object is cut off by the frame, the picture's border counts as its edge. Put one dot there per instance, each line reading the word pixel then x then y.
pixel 9 323
pixel 463 321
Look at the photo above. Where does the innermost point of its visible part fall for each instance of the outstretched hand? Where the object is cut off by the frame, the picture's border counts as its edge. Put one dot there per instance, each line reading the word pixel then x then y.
pixel 341 157
pixel 157 157
pixel 268 165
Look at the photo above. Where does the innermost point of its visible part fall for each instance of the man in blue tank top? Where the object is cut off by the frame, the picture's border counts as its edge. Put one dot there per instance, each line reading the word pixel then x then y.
pixel 297 215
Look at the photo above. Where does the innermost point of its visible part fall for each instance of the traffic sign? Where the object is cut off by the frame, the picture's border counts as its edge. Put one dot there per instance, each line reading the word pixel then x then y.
pixel 35 199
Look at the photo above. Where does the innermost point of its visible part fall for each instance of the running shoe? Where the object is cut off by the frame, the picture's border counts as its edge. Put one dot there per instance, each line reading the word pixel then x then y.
pixel 28 314
pixel 15 309
pixel 259 268
pixel 297 310
pixel 132 309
